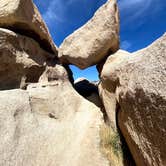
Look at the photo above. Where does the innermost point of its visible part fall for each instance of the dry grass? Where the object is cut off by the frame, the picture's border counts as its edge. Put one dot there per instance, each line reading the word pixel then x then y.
pixel 111 146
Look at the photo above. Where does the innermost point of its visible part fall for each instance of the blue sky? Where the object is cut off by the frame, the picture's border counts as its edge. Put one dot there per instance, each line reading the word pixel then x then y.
pixel 141 22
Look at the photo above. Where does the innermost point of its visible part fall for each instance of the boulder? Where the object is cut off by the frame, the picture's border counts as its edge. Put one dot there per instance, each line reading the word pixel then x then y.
pixel 107 86
pixel 111 142
pixel 88 90
pixel 49 124
pixel 95 40
pixel 22 16
pixel 138 83
pixel 22 60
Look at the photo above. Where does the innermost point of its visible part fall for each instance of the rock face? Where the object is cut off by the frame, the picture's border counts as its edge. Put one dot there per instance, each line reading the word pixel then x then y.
pixel 44 121
pixel 107 86
pixel 22 60
pixel 139 84
pixel 95 40
pixel 22 16
pixel 49 124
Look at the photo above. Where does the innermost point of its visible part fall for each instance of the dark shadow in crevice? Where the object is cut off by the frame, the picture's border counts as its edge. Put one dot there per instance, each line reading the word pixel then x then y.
pixel 89 90
pixel 33 74
pixel 105 116
pixel 86 88
pixel 100 65
pixel 24 29
pixel 127 156
pixel 70 73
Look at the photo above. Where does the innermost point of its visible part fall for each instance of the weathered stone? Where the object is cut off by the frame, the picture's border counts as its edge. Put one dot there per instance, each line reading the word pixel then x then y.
pixel 113 143
pixel 21 60
pixel 22 16
pixel 49 124
pixel 139 84
pixel 95 40
pixel 54 73
pixel 107 85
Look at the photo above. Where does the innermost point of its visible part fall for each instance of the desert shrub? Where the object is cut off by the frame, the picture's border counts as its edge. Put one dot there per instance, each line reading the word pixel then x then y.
pixel 111 145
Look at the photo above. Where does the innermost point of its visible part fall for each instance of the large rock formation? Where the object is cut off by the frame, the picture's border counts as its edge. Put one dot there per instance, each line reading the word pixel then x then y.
pixel 138 83
pixel 107 86
pixel 95 40
pixel 49 124
pixel 23 17
pixel 44 121
pixel 22 60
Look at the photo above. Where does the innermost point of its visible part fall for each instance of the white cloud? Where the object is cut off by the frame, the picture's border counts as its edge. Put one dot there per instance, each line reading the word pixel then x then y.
pixel 131 10
pixel 55 12
pixel 134 8
pixel 125 45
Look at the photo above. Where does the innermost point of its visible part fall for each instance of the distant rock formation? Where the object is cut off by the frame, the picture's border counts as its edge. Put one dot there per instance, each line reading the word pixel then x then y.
pixel 89 90
pixel 48 119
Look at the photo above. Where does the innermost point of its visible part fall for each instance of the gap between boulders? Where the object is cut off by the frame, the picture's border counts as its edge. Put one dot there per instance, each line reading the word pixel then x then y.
pixel 19 28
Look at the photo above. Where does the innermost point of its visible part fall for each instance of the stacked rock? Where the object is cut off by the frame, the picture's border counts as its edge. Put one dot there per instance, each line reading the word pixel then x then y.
pixel 44 121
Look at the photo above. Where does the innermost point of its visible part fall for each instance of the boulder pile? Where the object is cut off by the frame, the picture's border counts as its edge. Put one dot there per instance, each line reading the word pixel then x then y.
pixel 47 119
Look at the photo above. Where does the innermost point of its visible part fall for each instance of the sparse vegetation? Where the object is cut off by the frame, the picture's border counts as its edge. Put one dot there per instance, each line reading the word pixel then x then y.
pixel 111 145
